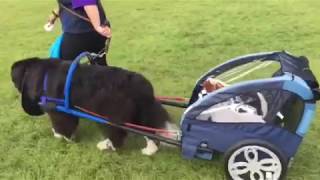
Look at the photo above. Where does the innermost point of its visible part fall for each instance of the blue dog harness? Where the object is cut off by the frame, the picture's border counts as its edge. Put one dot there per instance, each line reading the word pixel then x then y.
pixel 63 105
pixel 44 100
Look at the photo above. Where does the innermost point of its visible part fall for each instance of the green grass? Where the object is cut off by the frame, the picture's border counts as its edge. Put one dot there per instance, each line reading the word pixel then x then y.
pixel 172 43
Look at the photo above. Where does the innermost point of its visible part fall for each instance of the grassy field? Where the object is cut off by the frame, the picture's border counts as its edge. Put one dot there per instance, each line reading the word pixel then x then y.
pixel 172 43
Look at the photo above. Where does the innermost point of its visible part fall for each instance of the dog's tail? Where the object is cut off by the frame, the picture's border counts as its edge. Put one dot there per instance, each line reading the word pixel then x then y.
pixel 156 116
pixel 153 114
pixel 150 112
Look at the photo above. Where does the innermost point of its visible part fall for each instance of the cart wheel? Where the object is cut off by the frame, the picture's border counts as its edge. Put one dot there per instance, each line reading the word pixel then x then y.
pixel 255 160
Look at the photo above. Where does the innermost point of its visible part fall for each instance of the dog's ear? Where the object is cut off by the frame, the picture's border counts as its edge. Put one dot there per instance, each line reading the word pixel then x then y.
pixel 30 105
pixel 28 76
pixel 18 74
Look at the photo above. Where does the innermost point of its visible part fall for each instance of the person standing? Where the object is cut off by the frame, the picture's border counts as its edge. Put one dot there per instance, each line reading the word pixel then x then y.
pixel 85 28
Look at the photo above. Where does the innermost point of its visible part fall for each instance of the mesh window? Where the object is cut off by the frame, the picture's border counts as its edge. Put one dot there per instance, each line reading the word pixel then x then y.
pixel 277 107
pixel 250 71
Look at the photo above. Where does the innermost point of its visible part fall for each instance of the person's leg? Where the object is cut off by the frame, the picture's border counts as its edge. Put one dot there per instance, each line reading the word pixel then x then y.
pixel 74 44
pixel 71 46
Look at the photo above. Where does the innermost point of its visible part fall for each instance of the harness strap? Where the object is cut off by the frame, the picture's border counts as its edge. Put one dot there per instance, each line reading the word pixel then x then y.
pixel 44 99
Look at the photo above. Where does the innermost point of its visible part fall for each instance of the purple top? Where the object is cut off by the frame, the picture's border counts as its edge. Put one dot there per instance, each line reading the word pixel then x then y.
pixel 74 24
pixel 81 3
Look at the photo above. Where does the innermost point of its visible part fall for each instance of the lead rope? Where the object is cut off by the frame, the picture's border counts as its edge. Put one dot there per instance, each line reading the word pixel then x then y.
pixel 74 13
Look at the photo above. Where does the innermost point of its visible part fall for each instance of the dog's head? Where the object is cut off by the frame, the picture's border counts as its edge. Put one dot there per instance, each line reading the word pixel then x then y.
pixel 27 76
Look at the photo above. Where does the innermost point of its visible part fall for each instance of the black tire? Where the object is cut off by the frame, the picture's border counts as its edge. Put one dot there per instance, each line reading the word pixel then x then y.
pixel 262 149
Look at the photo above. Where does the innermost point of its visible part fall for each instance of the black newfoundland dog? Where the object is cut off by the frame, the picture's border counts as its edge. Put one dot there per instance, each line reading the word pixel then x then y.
pixel 119 94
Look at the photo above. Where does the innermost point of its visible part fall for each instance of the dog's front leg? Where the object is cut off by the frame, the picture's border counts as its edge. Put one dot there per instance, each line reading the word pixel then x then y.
pixel 151 147
pixel 106 145
pixel 63 125
pixel 60 136
pixel 114 138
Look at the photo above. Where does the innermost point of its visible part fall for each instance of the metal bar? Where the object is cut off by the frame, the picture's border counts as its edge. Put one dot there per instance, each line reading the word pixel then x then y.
pixel 139 132
pixel 168 98
pixel 135 131
pixel 175 104
pixel 107 122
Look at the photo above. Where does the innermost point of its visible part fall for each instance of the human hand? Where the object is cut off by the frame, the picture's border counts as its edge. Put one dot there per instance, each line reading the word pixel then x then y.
pixel 51 20
pixel 212 84
pixel 48 26
pixel 104 31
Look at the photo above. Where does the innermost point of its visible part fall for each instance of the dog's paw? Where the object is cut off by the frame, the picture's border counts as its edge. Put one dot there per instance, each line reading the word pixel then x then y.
pixel 106 145
pixel 57 135
pixel 150 149
pixel 60 136
pixel 69 140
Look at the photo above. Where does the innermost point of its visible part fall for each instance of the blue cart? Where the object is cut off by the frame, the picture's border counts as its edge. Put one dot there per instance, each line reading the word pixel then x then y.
pixel 258 121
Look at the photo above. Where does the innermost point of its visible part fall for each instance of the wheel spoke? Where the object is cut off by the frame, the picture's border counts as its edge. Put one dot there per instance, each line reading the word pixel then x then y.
pixel 255 174
pixel 255 161
pixel 239 168
pixel 269 165
pixel 251 154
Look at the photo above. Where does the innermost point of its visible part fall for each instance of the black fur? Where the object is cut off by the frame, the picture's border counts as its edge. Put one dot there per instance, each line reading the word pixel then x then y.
pixel 122 95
